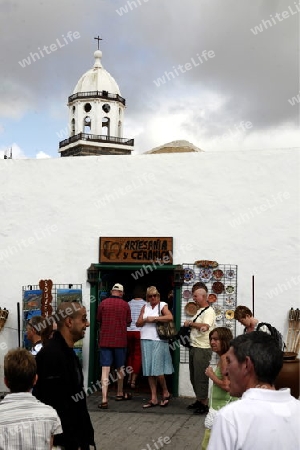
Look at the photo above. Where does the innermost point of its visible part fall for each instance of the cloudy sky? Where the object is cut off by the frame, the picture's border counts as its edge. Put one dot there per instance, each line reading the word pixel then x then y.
pixel 239 96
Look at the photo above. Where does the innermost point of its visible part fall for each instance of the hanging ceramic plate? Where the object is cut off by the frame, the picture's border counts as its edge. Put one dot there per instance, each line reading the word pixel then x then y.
pixel 218 274
pixel 212 298
pixel 230 274
pixel 189 275
pixel 230 289
pixel 205 274
pixel 191 308
pixel 229 314
pixel 218 310
pixel 219 317
pixel 186 294
pixel 229 324
pixel 230 301
pixel 205 263
pixel 217 287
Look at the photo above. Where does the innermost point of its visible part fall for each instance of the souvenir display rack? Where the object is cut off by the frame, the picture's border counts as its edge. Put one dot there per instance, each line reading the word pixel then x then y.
pixel 221 282
pixel 31 306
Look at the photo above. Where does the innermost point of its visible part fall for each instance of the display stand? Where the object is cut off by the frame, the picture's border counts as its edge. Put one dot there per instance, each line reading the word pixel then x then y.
pixel 32 306
pixel 221 282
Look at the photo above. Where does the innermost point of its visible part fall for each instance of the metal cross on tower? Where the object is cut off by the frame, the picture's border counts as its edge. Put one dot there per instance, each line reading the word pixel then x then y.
pixel 98 39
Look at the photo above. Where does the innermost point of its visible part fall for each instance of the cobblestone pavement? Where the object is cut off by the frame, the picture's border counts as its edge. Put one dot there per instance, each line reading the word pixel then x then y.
pixel 127 426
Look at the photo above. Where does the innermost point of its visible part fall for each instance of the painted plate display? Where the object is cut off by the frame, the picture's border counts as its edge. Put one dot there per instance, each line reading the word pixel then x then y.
pixel 229 314
pixel 189 275
pixel 230 289
pixel 191 308
pixel 230 301
pixel 218 274
pixel 217 287
pixel 205 274
pixel 230 274
pixel 212 298
pixel 186 294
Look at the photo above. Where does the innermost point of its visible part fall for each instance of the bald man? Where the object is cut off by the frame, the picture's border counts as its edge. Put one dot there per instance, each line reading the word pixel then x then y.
pixel 60 378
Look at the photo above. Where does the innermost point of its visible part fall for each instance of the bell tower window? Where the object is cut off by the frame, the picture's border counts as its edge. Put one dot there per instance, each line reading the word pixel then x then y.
pixel 87 107
pixel 106 107
pixel 87 124
pixel 73 127
pixel 105 126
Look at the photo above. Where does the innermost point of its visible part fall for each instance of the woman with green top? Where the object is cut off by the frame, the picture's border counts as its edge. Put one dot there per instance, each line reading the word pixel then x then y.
pixel 219 338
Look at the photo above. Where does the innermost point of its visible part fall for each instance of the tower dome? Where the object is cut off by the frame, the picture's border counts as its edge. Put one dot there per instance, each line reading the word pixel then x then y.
pixel 96 116
pixel 97 79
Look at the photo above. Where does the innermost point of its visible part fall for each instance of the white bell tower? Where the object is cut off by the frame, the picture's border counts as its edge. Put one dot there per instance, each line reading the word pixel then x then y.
pixel 96 115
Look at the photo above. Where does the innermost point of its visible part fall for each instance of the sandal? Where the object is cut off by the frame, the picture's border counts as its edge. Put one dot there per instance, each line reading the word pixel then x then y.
pixel 103 405
pixel 165 401
pixel 121 398
pixel 150 404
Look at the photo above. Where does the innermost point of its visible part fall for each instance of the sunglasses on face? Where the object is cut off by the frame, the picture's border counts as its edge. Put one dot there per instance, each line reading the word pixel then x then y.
pixel 152 295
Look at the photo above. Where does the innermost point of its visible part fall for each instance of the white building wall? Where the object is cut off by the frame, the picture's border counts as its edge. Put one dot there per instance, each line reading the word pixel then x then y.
pixel 238 208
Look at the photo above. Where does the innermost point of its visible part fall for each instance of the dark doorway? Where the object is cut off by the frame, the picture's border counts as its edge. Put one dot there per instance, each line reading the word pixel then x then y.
pixel 144 276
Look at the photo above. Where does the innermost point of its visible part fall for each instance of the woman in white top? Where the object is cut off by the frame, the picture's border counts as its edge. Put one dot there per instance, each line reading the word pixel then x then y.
pixel 156 357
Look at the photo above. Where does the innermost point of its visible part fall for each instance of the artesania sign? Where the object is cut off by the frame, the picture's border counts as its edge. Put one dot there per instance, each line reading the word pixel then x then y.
pixel 135 250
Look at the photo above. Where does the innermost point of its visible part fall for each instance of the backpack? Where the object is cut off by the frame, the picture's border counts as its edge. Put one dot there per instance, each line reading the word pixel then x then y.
pixel 274 332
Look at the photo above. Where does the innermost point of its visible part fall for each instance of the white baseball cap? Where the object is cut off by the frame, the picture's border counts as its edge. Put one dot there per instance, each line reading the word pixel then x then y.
pixel 117 287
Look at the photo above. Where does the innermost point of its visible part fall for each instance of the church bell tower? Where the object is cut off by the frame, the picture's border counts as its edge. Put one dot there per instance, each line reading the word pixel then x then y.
pixel 96 116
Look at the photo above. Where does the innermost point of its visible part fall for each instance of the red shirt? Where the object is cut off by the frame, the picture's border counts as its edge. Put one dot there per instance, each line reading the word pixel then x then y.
pixel 114 316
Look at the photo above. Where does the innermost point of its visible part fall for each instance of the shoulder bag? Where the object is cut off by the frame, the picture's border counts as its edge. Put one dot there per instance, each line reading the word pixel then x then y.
pixel 165 330
pixel 184 333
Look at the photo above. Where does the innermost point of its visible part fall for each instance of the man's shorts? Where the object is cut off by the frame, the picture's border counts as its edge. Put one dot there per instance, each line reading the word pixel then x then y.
pixel 113 356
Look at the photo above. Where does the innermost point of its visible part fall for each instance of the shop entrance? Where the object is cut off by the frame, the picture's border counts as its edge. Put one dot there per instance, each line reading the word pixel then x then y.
pixel 130 276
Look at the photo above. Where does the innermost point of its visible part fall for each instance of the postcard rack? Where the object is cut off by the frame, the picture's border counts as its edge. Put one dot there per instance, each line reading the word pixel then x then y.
pixel 31 306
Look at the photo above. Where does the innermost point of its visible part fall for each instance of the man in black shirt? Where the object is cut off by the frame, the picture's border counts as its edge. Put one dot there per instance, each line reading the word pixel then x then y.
pixel 60 378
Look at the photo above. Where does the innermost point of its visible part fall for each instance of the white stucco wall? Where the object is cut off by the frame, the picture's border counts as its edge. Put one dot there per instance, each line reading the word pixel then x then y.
pixel 238 208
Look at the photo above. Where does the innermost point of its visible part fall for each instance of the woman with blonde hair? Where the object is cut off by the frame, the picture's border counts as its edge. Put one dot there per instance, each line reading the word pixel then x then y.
pixel 156 357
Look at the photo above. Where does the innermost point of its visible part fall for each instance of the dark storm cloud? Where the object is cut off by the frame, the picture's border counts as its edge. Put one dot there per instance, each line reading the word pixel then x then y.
pixel 251 77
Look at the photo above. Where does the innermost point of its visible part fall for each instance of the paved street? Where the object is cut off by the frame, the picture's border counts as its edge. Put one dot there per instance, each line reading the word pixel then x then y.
pixel 126 425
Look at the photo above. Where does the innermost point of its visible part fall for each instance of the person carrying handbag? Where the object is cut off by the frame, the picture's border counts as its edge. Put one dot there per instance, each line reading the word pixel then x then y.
pixel 156 357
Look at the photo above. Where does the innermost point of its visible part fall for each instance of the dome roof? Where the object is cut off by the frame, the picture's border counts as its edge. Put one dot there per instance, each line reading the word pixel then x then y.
pixel 175 147
pixel 97 79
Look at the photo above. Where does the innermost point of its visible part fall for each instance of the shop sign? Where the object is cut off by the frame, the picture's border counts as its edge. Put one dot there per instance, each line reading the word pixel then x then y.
pixel 46 302
pixel 136 250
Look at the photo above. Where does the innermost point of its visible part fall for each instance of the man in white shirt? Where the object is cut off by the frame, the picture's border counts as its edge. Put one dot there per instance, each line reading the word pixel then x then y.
pixel 34 329
pixel 263 419
pixel 25 422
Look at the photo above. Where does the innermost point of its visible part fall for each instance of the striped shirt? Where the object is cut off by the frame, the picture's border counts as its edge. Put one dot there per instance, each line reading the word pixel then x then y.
pixel 26 423
pixel 135 308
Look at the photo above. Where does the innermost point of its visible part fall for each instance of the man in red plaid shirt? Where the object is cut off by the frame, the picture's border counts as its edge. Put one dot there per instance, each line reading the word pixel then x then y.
pixel 114 316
